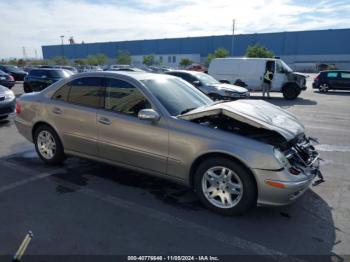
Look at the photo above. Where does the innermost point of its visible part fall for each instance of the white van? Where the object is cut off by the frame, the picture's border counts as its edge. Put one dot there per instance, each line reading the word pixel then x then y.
pixel 249 73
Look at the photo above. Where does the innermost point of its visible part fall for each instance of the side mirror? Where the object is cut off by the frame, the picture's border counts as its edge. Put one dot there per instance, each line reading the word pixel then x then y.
pixel 224 81
pixel 148 114
pixel 196 83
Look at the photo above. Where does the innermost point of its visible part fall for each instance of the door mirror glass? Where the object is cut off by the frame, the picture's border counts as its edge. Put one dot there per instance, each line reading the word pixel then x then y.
pixel 148 114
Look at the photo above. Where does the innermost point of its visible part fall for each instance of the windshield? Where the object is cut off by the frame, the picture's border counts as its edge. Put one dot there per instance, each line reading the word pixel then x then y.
pixel 176 95
pixel 286 67
pixel 206 79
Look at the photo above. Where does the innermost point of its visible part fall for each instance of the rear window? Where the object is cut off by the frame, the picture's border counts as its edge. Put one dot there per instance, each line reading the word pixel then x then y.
pixel 332 74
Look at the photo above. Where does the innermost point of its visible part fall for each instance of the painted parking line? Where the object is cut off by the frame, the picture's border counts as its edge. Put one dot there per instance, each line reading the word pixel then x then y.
pixel 29 180
pixel 219 236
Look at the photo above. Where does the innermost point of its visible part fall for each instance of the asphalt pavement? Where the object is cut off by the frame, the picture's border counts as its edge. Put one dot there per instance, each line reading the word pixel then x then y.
pixel 88 208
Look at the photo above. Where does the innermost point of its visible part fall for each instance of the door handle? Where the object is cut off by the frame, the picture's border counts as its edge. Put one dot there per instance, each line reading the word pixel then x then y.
pixel 57 111
pixel 104 121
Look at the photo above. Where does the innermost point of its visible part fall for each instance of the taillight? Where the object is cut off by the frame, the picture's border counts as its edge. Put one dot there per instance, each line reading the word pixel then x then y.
pixel 18 107
pixel 317 77
pixel 10 78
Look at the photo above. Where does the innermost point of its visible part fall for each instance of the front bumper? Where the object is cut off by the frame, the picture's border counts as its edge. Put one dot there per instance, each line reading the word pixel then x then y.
pixel 274 196
pixel 233 96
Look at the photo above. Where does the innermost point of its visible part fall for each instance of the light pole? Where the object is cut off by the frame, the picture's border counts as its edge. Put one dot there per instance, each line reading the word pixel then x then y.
pixel 62 36
pixel 233 35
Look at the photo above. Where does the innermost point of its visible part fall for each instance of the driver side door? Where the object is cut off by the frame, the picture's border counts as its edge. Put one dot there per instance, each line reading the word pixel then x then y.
pixel 123 137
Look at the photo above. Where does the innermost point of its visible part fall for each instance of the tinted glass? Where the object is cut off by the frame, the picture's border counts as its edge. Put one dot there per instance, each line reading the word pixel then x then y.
pixel 86 91
pixel 58 73
pixel 332 74
pixel 187 77
pixel 62 93
pixel 175 95
pixel 38 73
pixel 124 98
pixel 345 75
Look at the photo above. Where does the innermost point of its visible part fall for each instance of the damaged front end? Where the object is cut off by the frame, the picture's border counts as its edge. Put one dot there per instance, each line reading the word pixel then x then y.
pixel 303 157
pixel 269 124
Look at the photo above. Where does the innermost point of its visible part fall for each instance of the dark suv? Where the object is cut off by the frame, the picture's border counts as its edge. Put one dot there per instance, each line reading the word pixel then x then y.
pixel 17 73
pixel 331 80
pixel 39 79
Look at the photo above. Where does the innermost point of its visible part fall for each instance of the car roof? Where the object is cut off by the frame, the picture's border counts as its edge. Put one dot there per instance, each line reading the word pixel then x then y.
pixel 46 69
pixel 132 74
pixel 184 71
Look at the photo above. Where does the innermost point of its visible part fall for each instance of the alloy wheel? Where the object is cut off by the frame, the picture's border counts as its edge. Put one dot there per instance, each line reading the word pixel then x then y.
pixel 46 144
pixel 222 187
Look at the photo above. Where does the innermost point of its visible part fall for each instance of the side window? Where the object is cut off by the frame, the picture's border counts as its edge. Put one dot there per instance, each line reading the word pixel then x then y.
pixel 332 74
pixel 123 97
pixel 62 93
pixel 86 91
pixel 188 78
pixel 345 75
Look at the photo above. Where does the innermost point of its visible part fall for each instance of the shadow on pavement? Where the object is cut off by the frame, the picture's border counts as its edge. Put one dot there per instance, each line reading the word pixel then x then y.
pixel 304 228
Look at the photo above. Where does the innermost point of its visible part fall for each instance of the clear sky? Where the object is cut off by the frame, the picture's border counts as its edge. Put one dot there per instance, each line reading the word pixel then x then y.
pixel 32 23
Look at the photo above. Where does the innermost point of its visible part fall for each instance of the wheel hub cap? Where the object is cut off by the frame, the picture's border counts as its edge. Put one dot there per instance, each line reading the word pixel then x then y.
pixel 46 144
pixel 222 187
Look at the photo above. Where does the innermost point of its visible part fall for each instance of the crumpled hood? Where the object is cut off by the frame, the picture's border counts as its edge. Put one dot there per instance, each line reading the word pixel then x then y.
pixel 232 88
pixel 257 113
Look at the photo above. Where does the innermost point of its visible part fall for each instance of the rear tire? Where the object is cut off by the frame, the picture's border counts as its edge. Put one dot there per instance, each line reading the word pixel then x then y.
pixel 26 88
pixel 291 91
pixel 225 186
pixel 48 145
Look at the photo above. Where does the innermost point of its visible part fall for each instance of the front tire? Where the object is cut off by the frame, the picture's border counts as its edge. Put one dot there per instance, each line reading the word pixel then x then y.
pixel 225 186
pixel 291 91
pixel 48 145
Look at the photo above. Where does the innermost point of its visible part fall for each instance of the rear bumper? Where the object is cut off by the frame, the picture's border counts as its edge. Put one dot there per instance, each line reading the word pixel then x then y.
pixel 8 84
pixel 7 107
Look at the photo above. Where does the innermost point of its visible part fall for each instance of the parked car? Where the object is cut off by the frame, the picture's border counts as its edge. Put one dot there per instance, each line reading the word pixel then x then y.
pixel 89 68
pixel 17 73
pixel 332 80
pixel 6 80
pixel 128 69
pixel 210 86
pixel 249 72
pixel 39 79
pixel 233 154
pixel 198 68
pixel 7 102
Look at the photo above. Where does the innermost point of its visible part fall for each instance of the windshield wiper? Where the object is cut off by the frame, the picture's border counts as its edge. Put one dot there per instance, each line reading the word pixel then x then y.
pixel 187 110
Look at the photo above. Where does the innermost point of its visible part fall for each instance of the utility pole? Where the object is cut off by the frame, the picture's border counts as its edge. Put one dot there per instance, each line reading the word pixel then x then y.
pixel 233 35
pixel 24 53
pixel 62 36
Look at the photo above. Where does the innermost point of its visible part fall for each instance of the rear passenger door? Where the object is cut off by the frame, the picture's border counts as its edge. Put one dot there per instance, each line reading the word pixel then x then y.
pixel 344 80
pixel 73 111
pixel 123 137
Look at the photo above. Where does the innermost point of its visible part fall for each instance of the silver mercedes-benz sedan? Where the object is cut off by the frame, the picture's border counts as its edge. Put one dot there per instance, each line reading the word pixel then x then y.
pixel 235 155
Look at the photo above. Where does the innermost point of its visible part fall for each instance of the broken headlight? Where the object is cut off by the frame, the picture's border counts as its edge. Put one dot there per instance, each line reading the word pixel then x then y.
pixel 281 158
